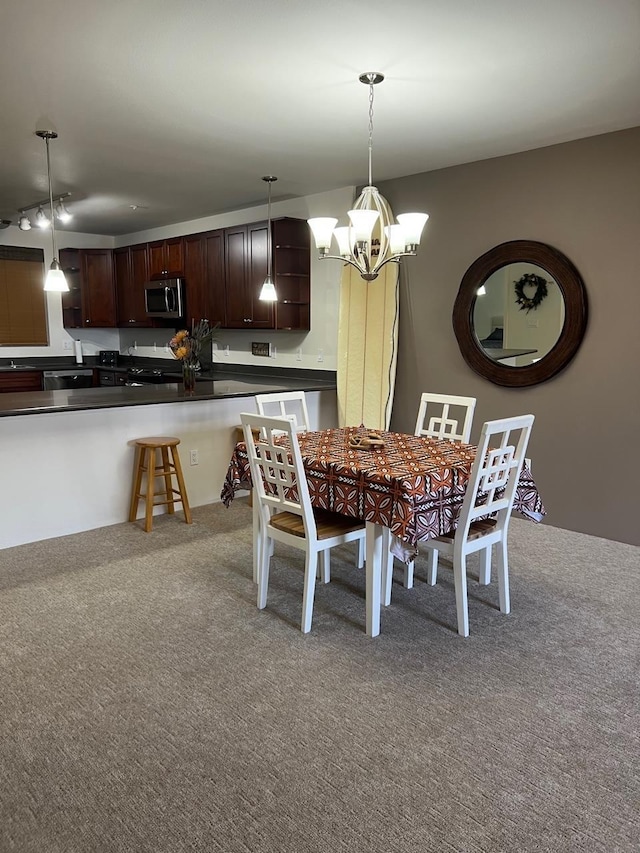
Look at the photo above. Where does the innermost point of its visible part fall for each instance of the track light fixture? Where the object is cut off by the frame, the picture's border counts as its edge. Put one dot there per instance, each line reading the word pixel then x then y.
pixel 41 219
pixel 55 279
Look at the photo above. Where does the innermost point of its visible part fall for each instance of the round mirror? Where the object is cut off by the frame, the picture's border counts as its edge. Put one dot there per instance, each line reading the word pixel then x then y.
pixel 520 314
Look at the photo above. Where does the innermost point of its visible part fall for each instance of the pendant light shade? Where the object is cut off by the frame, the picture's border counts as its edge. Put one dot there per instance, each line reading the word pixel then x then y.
pixel 55 280
pixel 268 292
pixel 358 243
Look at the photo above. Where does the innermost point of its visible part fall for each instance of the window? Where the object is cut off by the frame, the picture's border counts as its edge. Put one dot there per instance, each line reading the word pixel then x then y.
pixel 23 304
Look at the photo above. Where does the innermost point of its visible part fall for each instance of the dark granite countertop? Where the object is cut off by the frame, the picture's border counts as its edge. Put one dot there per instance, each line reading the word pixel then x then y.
pixel 230 382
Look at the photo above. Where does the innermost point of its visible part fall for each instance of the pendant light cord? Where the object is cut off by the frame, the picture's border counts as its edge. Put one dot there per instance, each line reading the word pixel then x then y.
pixel 53 227
pixel 269 249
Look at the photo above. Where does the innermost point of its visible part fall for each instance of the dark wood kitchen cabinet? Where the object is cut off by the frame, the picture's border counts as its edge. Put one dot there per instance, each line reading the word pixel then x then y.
pixel 131 268
pixel 166 258
pixel 292 273
pixel 204 277
pixel 91 300
pixel 246 268
pixel 20 380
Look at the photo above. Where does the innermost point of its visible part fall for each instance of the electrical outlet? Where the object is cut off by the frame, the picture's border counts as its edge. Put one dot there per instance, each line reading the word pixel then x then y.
pixel 320 355
pixel 261 348
pixel 193 457
pixel 299 354
pixel 67 344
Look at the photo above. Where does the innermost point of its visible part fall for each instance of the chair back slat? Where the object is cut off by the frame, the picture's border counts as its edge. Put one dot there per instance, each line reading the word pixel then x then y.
pixel 443 423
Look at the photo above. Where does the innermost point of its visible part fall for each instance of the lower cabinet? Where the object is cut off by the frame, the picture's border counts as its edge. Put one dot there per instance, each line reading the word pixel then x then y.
pixel 20 380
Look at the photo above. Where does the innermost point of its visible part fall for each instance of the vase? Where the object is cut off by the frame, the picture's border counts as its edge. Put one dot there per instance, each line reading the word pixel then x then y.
pixel 189 377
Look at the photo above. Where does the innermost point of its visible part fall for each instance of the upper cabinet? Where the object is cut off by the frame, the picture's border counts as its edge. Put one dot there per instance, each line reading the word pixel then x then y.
pixel 204 277
pixel 91 300
pixel 165 257
pixel 246 268
pixel 223 272
pixel 131 267
pixel 292 273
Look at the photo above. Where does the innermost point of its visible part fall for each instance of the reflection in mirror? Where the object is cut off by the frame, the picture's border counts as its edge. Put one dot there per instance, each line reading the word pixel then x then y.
pixel 518 314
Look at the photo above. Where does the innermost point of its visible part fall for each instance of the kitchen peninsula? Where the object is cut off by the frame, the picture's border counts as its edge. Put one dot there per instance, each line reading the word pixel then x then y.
pixel 68 456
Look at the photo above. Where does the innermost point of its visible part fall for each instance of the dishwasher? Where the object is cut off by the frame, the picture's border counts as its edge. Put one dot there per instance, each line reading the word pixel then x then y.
pixel 52 379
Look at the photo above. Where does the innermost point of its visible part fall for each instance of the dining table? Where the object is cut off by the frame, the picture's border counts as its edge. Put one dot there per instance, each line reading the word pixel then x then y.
pixel 407 489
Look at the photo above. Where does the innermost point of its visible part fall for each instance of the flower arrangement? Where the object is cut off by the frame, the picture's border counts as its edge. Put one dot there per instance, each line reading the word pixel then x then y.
pixel 187 345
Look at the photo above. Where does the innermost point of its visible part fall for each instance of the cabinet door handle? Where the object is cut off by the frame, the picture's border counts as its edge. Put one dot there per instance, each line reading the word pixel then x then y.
pixel 247 320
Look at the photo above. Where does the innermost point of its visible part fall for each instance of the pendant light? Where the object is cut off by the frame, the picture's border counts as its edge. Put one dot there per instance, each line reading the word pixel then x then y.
pixel 268 292
pixel 55 280
pixel 356 242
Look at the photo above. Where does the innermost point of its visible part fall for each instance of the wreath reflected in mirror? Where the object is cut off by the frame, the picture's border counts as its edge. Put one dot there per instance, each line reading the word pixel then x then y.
pixel 525 302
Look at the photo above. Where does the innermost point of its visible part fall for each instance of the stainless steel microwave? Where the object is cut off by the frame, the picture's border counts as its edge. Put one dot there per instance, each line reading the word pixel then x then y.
pixel 163 298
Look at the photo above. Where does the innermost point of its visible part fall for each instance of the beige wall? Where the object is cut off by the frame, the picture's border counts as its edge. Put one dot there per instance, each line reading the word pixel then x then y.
pixel 583 198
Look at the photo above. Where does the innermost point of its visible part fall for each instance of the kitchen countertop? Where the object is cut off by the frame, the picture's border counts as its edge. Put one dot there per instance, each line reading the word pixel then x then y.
pixel 227 383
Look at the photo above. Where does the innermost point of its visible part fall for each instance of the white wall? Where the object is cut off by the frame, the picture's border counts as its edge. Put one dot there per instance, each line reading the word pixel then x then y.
pixel 85 481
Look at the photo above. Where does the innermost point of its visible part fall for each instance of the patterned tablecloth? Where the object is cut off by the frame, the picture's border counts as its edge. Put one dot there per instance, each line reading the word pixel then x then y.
pixel 413 485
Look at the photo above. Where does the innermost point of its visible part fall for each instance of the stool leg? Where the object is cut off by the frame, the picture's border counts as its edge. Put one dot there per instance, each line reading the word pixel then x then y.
pixel 151 476
pixel 181 486
pixel 168 484
pixel 137 483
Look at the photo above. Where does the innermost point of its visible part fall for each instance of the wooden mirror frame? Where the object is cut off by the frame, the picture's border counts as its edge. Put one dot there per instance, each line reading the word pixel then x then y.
pixel 568 280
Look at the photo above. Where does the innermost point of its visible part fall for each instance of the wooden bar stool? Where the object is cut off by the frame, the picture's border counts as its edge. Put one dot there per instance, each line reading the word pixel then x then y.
pixel 147 450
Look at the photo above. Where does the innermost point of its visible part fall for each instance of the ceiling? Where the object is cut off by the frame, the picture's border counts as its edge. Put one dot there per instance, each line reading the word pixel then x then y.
pixel 179 107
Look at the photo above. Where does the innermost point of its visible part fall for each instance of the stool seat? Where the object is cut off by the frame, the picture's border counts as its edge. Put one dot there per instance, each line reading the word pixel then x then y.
pixel 160 449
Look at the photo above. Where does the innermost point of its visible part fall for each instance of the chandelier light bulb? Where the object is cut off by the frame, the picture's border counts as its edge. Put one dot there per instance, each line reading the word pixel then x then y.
pixel 25 223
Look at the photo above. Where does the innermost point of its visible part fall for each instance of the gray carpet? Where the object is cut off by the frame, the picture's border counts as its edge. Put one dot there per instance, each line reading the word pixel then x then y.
pixel 147 705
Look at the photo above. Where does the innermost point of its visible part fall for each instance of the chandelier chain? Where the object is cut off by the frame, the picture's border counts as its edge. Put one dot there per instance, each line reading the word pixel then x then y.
pixel 370 130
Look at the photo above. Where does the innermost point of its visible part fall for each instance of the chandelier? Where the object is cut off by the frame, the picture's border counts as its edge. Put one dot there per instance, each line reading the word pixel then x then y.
pixel 358 245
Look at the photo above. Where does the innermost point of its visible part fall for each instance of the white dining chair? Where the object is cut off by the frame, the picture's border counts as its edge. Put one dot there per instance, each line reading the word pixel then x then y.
pixel 285 404
pixel 490 492
pixel 448 416
pixel 293 406
pixel 276 467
